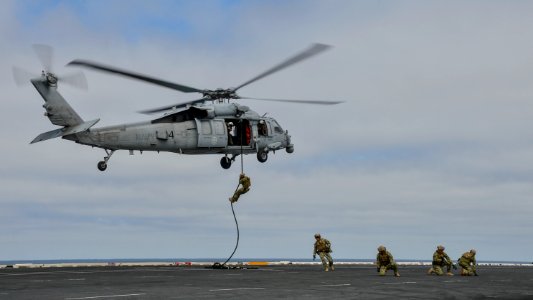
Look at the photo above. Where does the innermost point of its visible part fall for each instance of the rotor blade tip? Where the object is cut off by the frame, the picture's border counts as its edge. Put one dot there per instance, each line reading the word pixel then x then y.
pixel 322 46
pixel 74 62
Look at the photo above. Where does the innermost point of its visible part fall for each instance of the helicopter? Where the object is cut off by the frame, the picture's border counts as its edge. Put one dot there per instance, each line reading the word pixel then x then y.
pixel 211 124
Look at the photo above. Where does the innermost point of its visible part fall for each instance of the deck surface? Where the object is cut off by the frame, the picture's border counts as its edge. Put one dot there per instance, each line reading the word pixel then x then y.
pixel 278 282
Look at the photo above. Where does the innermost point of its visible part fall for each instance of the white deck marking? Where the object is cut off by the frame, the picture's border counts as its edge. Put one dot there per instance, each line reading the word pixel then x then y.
pixel 236 289
pixel 406 282
pixel 105 296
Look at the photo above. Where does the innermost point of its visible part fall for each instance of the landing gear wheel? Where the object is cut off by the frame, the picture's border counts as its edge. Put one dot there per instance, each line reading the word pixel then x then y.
pixel 102 165
pixel 262 156
pixel 225 162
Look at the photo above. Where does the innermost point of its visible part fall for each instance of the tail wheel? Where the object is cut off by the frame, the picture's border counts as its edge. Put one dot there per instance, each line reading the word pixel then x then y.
pixel 262 156
pixel 102 165
pixel 225 162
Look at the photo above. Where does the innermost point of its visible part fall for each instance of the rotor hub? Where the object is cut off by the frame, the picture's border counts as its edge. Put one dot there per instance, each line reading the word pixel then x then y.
pixel 220 94
pixel 51 78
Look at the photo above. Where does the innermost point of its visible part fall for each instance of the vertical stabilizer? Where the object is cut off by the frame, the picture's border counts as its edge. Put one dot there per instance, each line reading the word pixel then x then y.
pixel 57 108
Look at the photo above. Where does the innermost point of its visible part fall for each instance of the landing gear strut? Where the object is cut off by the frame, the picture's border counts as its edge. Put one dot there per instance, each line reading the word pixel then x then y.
pixel 102 165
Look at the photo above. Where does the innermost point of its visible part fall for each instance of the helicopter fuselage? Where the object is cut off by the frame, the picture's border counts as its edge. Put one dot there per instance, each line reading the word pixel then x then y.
pixel 198 136
pixel 198 129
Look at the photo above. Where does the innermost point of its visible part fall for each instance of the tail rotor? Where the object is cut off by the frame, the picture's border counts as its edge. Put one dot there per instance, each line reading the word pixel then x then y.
pixel 45 54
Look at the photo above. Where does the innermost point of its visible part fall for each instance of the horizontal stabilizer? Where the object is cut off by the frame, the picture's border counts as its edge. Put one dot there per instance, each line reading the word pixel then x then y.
pixel 64 131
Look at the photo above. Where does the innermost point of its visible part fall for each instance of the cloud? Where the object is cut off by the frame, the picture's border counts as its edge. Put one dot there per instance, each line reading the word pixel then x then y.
pixel 431 146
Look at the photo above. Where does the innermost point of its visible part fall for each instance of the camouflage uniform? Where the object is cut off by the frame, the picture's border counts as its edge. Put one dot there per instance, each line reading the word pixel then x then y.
pixel 245 183
pixel 385 261
pixel 468 263
pixel 440 259
pixel 323 248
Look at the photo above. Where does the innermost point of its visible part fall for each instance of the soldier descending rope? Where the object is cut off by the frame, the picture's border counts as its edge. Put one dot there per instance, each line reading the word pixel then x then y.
pixel 245 183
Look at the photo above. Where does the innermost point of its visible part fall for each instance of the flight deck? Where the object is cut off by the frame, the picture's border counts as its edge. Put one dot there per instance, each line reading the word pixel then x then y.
pixel 260 282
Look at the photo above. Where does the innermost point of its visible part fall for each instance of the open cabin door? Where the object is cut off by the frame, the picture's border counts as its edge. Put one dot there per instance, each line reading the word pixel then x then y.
pixel 211 133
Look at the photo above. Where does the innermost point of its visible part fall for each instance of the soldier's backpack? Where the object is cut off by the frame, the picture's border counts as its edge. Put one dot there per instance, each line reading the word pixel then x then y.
pixel 328 246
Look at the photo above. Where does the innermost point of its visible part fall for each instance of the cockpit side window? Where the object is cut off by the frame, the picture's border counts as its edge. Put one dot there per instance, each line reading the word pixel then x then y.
pixel 276 126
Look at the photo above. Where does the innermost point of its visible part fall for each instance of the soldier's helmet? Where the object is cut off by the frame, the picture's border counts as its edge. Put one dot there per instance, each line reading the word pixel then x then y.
pixel 317 235
pixel 473 251
pixel 440 247
pixel 381 248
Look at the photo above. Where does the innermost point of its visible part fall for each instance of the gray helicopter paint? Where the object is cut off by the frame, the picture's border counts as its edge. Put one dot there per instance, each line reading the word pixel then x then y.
pixel 142 136
pixel 205 135
pixel 57 109
pixel 228 110
pixel 183 137
pixel 64 131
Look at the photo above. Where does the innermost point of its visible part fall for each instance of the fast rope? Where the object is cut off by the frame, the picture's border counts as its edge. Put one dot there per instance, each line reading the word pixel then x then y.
pixel 232 210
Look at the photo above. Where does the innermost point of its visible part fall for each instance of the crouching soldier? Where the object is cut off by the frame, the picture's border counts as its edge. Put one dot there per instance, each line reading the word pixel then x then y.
pixel 441 259
pixel 467 262
pixel 385 261
pixel 323 248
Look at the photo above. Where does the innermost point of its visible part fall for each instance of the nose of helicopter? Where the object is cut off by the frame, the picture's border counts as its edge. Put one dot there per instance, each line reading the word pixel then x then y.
pixel 290 146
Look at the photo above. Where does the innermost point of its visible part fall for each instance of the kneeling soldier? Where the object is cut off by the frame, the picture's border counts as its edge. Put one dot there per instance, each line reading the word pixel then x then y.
pixel 468 263
pixel 441 259
pixel 385 261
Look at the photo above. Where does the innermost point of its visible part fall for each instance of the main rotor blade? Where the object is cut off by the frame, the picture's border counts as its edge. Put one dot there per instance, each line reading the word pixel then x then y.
pixel 22 76
pixel 101 67
pixel 45 54
pixel 320 102
pixel 169 107
pixel 313 50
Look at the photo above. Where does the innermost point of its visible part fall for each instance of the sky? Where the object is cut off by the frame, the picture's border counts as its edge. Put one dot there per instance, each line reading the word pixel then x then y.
pixel 433 144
